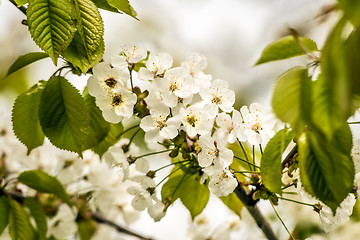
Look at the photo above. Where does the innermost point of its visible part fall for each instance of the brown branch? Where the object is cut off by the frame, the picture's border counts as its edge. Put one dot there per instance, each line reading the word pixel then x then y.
pixel 21 8
pixel 290 155
pixel 250 205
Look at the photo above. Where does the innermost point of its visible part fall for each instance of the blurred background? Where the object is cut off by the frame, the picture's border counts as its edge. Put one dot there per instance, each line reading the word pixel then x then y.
pixel 230 33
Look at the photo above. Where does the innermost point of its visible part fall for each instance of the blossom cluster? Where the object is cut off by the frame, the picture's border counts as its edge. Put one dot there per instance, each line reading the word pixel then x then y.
pixel 181 98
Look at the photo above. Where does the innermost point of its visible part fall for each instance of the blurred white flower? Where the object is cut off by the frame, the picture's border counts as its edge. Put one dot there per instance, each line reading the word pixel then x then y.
pixel 258 124
pixel 195 64
pixel 355 153
pixel 63 225
pixel 156 210
pixel 330 222
pixel 134 52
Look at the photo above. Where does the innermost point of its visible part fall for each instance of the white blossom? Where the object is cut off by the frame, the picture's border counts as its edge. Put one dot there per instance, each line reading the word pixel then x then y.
pixel 117 105
pixel 258 124
pixel 218 95
pixel 106 78
pixel 156 65
pixel 159 124
pixel 196 121
pixel 228 127
pixel 177 83
pixel 63 225
pixel 222 183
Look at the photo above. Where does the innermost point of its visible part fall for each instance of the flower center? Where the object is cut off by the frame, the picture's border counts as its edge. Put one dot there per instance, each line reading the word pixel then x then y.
pixel 216 100
pixel 2 132
pixel 111 82
pixel 161 122
pixel 256 127
pixel 173 87
pixel 191 119
pixel 117 100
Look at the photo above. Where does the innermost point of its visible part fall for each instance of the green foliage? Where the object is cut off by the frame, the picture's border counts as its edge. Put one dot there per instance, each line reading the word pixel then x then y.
pixel 187 187
pixel 113 136
pixel 233 203
pixel 51 25
pixel 25 60
pixel 103 4
pixel 21 2
pixel 351 10
pixel 26 124
pixel 86 229
pixel 124 6
pixel 286 47
pixel 63 115
pixel 271 166
pixel 76 54
pixel 99 128
pixel 38 213
pixel 325 171
pixel 4 213
pixel 19 224
pixel 291 101
pixel 43 182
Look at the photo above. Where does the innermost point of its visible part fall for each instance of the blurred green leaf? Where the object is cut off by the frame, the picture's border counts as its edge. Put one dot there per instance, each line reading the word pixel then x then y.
pixel 26 124
pixel 86 229
pixel 38 213
pixel 4 213
pixel 271 166
pixel 187 187
pixel 326 172
pixel 51 25
pixel 21 2
pixel 103 4
pixel 19 224
pixel 63 115
pixel 43 182
pixel 291 100
pixel 286 47
pixel 233 203
pixel 351 10
pixel 25 60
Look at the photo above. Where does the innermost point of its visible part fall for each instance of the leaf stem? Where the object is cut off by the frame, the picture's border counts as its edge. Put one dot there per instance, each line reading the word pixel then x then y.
pixel 261 150
pixel 282 222
pixel 247 159
pixel 153 153
pixel 171 173
pixel 243 160
pixel 353 122
pixel 245 172
pixel 294 201
pixel 168 165
pixel 131 80
pixel 133 136
pixel 253 152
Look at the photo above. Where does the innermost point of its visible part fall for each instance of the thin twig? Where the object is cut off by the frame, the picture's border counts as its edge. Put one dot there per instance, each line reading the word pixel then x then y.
pixel 100 219
pixel 290 155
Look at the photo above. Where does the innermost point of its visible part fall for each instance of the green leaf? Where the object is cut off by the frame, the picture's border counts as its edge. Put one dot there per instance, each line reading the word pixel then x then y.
pixel 19 224
pixel 103 4
pixel 271 166
pixel 326 172
pixel 291 100
pixel 77 55
pixel 63 115
pixel 112 137
pixel 89 24
pixel 51 25
pixel 26 124
pixel 86 229
pixel 99 128
pixel 43 182
pixel 124 6
pixel 351 10
pixel 25 60
pixel 4 213
pixel 21 2
pixel 38 213
pixel 284 48
pixel 233 203
pixel 187 187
